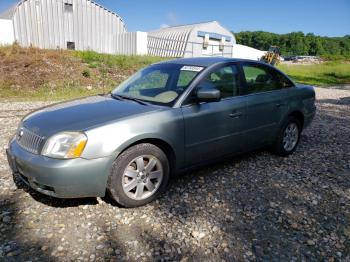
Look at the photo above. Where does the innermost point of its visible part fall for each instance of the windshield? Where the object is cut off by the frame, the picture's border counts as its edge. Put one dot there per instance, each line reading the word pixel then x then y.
pixel 159 84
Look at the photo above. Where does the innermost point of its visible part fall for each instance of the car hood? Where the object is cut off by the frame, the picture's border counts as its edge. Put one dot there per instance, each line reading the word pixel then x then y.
pixel 82 114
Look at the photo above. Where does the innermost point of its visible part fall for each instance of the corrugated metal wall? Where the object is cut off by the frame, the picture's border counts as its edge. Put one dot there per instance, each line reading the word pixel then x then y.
pixel 170 42
pixel 131 43
pixel 52 23
pixel 126 43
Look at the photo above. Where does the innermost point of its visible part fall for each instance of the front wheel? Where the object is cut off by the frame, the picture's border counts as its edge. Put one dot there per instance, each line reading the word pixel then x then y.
pixel 288 137
pixel 138 175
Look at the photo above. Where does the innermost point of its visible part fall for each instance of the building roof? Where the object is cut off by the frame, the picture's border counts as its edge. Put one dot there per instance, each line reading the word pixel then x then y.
pixel 178 32
pixel 183 27
pixel 9 13
pixel 186 29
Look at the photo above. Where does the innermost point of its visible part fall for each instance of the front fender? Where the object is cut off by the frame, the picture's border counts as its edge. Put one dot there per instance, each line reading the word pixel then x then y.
pixel 113 138
pixel 142 137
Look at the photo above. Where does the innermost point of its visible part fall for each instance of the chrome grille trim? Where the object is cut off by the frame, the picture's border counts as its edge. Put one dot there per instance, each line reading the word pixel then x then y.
pixel 29 141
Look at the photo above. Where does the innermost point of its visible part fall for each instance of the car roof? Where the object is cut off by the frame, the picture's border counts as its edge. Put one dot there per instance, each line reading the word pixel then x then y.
pixel 204 61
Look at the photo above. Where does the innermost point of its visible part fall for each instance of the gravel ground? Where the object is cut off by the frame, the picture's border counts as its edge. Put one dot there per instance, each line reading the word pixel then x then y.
pixel 254 207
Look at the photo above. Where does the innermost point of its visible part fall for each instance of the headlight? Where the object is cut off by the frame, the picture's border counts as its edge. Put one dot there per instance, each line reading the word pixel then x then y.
pixel 65 145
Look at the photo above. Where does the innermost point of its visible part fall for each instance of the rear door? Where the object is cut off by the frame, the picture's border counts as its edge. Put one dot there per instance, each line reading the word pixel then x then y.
pixel 213 129
pixel 266 96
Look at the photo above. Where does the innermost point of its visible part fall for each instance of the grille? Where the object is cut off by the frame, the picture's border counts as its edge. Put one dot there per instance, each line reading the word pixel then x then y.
pixel 29 140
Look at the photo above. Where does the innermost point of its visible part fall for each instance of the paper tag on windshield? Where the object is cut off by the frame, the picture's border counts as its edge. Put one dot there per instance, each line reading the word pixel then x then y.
pixel 192 68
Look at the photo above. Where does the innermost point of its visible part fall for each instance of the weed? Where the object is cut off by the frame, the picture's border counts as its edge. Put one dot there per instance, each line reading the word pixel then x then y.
pixel 86 73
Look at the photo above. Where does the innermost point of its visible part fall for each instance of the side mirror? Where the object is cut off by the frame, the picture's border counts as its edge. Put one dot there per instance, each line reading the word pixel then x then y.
pixel 205 94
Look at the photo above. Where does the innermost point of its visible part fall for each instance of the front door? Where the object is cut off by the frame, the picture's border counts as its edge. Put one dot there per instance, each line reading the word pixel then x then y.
pixel 213 129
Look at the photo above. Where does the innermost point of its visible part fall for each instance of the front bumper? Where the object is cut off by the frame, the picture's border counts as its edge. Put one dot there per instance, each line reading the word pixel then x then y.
pixel 68 178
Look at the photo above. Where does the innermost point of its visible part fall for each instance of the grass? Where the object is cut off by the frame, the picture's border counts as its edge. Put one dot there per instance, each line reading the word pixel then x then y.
pixel 95 60
pixel 325 74
pixel 47 92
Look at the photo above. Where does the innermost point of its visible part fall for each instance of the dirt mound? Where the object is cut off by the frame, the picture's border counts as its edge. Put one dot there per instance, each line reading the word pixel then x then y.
pixel 32 67
pixel 31 71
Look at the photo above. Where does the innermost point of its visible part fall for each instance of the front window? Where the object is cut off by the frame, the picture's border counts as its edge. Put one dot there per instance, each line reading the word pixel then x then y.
pixel 225 79
pixel 159 84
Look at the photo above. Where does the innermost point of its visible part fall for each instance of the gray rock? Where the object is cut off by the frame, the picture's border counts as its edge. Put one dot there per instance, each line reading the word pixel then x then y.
pixel 99 247
pixel 6 219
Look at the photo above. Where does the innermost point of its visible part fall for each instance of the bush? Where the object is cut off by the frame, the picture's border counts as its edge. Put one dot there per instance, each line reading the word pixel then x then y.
pixel 86 73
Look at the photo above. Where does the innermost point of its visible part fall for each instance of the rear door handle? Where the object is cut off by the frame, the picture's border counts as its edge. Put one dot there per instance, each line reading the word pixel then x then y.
pixel 236 114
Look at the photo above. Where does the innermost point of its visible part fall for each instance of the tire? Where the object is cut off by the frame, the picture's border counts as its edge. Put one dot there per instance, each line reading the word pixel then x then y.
pixel 280 147
pixel 135 171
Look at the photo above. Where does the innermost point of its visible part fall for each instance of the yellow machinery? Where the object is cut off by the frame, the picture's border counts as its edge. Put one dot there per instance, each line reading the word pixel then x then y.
pixel 272 56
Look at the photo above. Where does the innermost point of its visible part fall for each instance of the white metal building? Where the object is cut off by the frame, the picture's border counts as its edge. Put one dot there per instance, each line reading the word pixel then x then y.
pixel 7 36
pixel 202 39
pixel 75 24
pixel 246 52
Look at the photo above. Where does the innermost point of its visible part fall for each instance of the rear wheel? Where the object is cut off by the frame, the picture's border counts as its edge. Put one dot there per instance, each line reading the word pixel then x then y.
pixel 138 175
pixel 288 137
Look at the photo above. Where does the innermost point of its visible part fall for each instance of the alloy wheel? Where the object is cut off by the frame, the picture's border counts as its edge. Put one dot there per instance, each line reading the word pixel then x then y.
pixel 290 137
pixel 142 177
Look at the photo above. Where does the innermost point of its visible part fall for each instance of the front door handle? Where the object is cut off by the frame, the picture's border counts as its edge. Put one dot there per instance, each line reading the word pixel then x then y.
pixel 236 114
pixel 281 104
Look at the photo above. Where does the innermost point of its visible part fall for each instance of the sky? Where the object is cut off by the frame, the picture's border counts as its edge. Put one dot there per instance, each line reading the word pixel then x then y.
pixel 321 17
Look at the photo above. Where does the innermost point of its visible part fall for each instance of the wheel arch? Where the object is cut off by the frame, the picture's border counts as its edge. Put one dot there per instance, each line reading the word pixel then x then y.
pixel 162 144
pixel 299 115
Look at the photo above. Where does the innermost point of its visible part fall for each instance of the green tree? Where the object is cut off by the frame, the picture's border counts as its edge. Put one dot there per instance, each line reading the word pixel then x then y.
pixel 297 43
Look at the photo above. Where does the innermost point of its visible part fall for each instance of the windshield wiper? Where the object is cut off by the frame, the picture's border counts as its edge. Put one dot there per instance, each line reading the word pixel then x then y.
pixel 120 97
pixel 136 100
